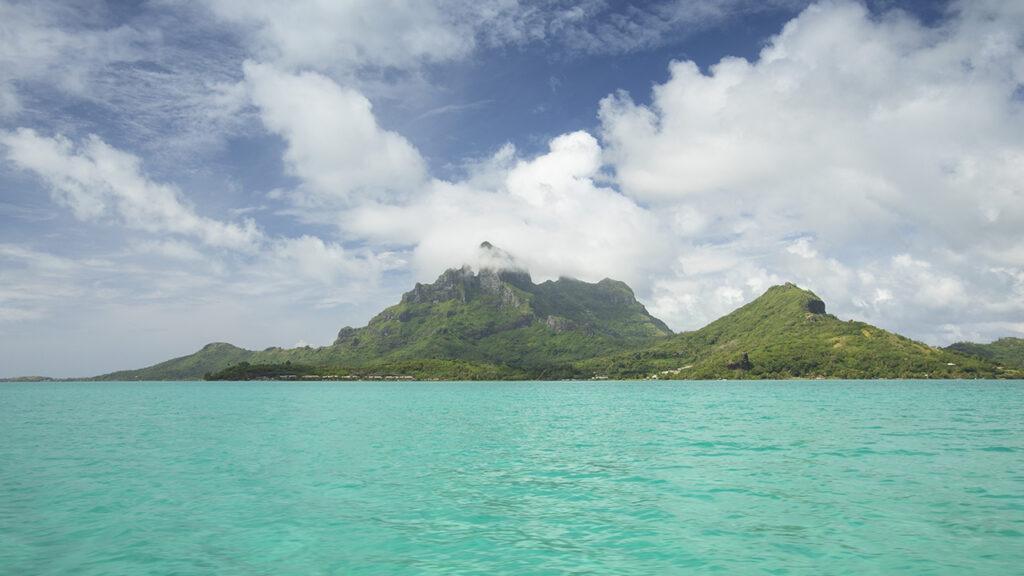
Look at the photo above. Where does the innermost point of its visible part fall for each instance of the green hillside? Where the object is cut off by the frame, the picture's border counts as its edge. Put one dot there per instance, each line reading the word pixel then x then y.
pixel 1008 352
pixel 501 317
pixel 495 323
pixel 399 370
pixel 786 333
pixel 212 357
pixel 499 325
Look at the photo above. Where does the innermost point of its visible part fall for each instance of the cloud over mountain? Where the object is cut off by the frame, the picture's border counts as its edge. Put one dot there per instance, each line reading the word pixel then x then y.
pixel 883 154
pixel 218 157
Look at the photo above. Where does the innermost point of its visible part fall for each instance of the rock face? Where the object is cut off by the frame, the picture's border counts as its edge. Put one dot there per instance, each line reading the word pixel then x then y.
pixel 462 285
pixel 449 286
pixel 562 305
pixel 811 303
pixel 499 275
pixel 815 306
pixel 742 364
pixel 559 324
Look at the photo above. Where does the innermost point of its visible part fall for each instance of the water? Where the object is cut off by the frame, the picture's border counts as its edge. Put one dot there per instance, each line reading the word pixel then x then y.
pixel 512 478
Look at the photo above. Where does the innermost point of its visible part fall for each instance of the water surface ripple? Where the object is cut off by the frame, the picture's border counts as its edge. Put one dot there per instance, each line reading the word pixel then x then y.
pixel 512 478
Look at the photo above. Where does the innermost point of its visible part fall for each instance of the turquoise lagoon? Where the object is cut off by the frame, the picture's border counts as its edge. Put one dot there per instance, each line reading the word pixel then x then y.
pixel 830 477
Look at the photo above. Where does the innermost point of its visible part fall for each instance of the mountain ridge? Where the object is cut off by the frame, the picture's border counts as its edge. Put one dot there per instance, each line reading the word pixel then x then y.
pixel 787 333
pixel 1007 350
pixel 496 323
pixel 485 316
pixel 496 317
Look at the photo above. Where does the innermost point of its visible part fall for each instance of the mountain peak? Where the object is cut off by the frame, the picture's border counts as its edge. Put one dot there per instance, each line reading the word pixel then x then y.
pixel 499 315
pixel 780 306
pixel 791 293
pixel 490 257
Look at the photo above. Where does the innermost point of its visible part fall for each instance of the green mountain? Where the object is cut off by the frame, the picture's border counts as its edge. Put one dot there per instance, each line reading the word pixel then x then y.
pixel 786 333
pixel 211 358
pixel 498 324
pixel 1008 352
pixel 493 324
pixel 502 317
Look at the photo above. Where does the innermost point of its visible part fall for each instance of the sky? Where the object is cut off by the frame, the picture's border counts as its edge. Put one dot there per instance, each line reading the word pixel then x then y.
pixel 174 173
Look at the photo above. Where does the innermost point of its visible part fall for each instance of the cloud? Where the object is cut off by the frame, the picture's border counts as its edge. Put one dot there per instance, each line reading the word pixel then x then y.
pixel 315 33
pixel 334 144
pixel 97 181
pixel 292 264
pixel 57 44
pixel 157 78
pixel 604 28
pixel 819 131
pixel 872 158
pixel 157 299
pixel 174 249
pixel 100 183
pixel 549 212
pixel 35 282
pixel 854 142
pixel 358 36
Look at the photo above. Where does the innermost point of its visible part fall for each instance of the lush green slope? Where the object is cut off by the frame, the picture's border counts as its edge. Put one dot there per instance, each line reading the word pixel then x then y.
pixel 502 317
pixel 1008 352
pixel 496 322
pixel 786 333
pixel 401 370
pixel 212 357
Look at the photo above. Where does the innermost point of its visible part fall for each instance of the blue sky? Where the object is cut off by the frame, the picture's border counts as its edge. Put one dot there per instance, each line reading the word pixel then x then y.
pixel 175 173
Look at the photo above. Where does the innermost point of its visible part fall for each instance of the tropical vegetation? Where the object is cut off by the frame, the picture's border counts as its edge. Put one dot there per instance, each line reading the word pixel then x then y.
pixel 497 324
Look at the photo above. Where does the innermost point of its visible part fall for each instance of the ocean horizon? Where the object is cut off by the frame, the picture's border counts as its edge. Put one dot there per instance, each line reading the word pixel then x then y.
pixel 638 477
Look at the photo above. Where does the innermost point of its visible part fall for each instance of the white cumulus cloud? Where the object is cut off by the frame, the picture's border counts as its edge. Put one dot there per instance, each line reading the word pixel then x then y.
pixel 854 142
pixel 334 144
pixel 550 212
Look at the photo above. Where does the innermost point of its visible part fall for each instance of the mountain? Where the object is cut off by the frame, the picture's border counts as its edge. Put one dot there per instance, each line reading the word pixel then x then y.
pixel 498 324
pixel 1006 351
pixel 502 317
pixel 494 323
pixel 212 357
pixel 786 333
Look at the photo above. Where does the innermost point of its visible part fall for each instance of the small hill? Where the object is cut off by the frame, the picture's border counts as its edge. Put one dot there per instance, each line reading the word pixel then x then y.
pixel 1008 352
pixel 212 357
pixel 786 333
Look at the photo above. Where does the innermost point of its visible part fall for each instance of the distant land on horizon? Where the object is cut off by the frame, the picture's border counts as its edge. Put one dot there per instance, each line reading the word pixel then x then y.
pixel 497 324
